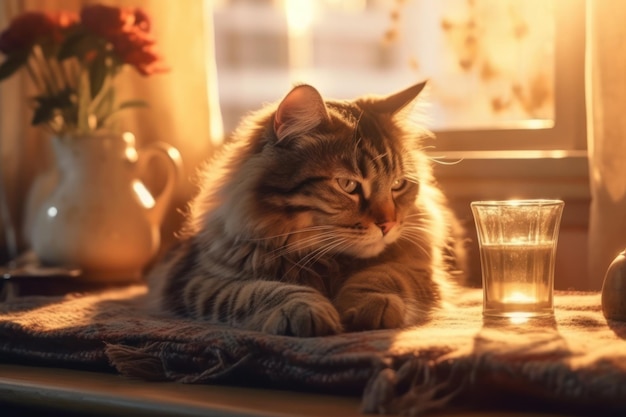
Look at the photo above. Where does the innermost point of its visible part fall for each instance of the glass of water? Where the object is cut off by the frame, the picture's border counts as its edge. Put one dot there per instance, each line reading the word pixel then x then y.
pixel 517 241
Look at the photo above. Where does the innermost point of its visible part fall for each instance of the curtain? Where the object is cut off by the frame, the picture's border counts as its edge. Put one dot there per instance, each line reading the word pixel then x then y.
pixel 184 107
pixel 606 102
pixel 23 153
pixel 183 103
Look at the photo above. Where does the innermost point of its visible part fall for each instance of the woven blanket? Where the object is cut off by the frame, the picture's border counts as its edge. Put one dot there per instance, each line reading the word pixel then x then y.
pixel 574 361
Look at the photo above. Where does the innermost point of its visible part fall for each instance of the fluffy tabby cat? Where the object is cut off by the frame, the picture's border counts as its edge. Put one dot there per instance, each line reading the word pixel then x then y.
pixel 317 217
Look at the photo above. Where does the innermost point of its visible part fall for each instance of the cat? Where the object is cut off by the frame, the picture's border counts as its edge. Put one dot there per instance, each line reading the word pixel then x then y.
pixel 317 217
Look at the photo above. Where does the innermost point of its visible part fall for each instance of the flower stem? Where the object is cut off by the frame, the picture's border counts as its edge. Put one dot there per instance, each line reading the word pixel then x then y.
pixel 35 77
pixel 84 101
pixel 96 101
pixel 45 70
pixel 68 73
pixel 57 74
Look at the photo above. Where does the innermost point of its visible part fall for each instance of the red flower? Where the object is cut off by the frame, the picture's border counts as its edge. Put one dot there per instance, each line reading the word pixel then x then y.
pixel 128 31
pixel 135 49
pixel 106 21
pixel 142 20
pixel 62 22
pixel 32 27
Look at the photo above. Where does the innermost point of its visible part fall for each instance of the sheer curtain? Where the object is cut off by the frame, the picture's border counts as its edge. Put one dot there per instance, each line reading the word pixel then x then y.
pixel 184 106
pixel 606 103
pixel 183 103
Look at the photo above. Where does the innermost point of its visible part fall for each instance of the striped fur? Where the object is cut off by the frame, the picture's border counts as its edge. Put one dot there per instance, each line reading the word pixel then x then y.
pixel 317 217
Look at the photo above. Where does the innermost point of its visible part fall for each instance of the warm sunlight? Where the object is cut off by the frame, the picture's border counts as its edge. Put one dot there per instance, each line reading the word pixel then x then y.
pixel 518 297
pixel 519 318
pixel 490 64
pixel 143 194
pixel 300 15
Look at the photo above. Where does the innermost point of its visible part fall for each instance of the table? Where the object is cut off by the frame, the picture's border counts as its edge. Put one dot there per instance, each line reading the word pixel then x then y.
pixel 75 393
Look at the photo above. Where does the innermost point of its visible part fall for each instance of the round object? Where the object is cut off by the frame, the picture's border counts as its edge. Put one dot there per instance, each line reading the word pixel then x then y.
pixel 614 289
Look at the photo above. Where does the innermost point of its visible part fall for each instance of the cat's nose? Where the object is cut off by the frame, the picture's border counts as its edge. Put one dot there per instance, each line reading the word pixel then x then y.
pixel 385 227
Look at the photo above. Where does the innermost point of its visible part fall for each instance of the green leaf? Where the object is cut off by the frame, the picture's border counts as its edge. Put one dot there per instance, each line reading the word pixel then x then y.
pixel 132 103
pixel 125 105
pixel 84 99
pixel 60 100
pixel 70 45
pixel 13 62
pixel 105 106
pixel 46 106
pixel 42 114
pixel 97 74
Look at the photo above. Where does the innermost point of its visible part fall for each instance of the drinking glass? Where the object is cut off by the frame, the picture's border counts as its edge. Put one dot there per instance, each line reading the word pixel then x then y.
pixel 517 241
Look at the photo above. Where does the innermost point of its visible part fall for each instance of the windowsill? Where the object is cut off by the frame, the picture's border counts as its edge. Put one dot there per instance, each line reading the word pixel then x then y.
pixel 514 174
pixel 501 175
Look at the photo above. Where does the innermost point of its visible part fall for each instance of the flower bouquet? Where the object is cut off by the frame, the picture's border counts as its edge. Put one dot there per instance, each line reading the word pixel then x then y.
pixel 94 198
pixel 73 61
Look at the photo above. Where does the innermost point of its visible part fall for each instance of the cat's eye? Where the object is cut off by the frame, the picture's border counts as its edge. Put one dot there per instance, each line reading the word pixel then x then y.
pixel 398 184
pixel 348 185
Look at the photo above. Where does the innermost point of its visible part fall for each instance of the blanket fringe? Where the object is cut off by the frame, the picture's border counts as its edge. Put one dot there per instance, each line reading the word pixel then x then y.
pixel 412 390
pixel 136 362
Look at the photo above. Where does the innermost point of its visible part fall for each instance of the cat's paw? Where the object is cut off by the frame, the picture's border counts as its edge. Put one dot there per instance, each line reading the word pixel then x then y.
pixel 373 311
pixel 304 319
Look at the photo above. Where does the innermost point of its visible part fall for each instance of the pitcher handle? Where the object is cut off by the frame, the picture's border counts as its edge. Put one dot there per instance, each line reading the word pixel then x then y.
pixel 174 169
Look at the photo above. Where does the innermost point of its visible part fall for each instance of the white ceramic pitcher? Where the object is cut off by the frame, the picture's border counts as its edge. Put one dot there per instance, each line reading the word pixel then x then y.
pixel 100 217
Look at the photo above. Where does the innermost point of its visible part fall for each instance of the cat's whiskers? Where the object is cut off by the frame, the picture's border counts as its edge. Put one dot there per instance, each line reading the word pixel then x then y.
pixel 422 226
pixel 312 257
pixel 286 246
pixel 439 160
pixel 412 177
pixel 316 255
pixel 436 159
pixel 303 230
pixel 338 238
pixel 412 215
pixel 301 244
pixel 307 242
pixel 381 156
pixel 355 153
pixel 418 220
pixel 417 242
pixel 417 235
pixel 356 130
pixel 423 232
pixel 426 148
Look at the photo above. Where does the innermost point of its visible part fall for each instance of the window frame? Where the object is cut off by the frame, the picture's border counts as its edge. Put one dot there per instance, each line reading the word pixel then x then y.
pixel 567 133
pixel 569 130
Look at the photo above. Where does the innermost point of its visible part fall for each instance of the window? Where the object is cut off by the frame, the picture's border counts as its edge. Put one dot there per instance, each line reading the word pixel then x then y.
pixel 504 74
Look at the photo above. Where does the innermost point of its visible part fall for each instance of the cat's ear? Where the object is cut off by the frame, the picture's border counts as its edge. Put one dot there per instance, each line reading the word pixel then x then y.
pixel 394 103
pixel 300 111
